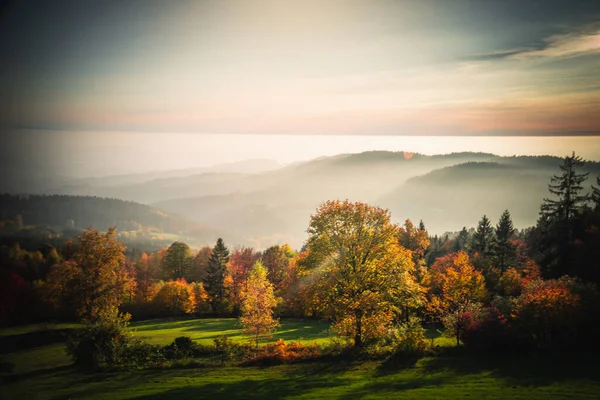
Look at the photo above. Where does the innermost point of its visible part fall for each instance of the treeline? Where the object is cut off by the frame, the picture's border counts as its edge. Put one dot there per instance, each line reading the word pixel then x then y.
pixel 491 287
pixel 62 212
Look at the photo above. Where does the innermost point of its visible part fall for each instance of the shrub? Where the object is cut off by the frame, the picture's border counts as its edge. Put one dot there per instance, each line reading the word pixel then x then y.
pixel 185 347
pixel 229 350
pixel 549 312
pixel 102 343
pixel 281 352
pixel 410 338
pixel 489 330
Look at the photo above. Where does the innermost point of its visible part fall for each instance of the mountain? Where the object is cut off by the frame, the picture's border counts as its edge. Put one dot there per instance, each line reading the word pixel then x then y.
pixel 260 209
pixel 283 201
pixel 75 213
pixel 452 197
pixel 39 180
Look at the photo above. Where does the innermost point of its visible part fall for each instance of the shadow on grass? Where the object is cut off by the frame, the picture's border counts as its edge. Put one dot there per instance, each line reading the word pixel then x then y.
pixel 250 389
pixel 518 370
pixel 203 325
pixel 395 364
pixel 37 373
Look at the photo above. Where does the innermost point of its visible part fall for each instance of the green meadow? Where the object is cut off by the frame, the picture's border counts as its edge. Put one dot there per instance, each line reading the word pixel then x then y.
pixel 45 372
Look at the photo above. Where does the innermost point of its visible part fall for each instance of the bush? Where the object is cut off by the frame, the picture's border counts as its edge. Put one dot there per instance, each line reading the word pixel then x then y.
pixel 101 344
pixel 185 347
pixel 281 352
pixel 490 331
pixel 229 350
pixel 410 338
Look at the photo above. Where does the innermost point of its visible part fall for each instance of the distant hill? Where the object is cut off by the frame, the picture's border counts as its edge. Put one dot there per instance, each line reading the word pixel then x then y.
pixel 457 196
pixel 259 209
pixel 75 213
pixel 446 191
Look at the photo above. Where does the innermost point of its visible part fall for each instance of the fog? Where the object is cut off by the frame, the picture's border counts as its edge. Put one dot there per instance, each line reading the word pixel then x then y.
pixel 92 154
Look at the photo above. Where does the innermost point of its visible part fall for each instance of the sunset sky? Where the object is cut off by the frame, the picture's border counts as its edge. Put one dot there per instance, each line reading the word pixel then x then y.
pixel 306 67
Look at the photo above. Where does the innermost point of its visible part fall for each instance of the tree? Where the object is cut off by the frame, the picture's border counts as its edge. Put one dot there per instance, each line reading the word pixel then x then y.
pixel 175 298
pixel 241 263
pixel 554 235
pixel 214 281
pixel 200 264
pixel 360 271
pixel 463 289
pixel 548 310
pixel 146 274
pixel 95 282
pixel 502 248
pixel 567 187
pixel 177 261
pixel 483 237
pixel 276 259
pixel 462 240
pixel 413 239
pixel 596 194
pixel 257 306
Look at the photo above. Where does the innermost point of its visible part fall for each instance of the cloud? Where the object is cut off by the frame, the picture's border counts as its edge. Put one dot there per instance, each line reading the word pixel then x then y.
pixel 563 46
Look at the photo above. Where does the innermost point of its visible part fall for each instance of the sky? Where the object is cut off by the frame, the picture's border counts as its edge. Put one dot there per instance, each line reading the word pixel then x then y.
pixel 490 68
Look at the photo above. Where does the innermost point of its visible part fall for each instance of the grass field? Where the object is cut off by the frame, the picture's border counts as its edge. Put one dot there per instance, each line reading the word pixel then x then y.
pixel 206 330
pixel 44 372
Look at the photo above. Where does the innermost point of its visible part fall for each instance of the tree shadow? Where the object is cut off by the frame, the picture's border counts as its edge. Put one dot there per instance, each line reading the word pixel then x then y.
pixel 519 369
pixel 395 364
pixel 36 373
pixel 249 389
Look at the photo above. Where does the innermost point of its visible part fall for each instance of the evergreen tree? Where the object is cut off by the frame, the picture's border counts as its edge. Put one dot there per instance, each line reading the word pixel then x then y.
pixel 214 281
pixel 503 250
pixel 422 225
pixel 567 187
pixel 596 194
pixel 555 229
pixel 461 240
pixel 483 237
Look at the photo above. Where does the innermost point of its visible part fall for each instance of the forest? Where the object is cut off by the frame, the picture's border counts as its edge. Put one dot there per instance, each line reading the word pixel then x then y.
pixel 490 287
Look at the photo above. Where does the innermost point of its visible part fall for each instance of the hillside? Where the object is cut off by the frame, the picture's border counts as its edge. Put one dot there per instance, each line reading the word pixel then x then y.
pixel 444 191
pixel 259 209
pixel 64 213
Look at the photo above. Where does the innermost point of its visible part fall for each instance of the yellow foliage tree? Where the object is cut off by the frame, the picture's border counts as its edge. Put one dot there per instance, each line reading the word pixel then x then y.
pixel 175 298
pixel 360 271
pixel 257 305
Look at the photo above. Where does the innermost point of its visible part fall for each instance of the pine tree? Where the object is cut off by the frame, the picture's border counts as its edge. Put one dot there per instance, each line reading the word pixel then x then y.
pixel 596 194
pixel 567 187
pixel 483 237
pixel 461 240
pixel 216 270
pixel 502 248
pixel 556 226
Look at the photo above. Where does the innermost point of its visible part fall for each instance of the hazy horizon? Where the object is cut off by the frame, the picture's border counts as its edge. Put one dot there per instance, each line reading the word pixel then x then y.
pixel 95 154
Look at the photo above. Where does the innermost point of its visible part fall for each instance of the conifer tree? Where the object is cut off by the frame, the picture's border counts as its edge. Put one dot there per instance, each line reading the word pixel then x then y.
pixel 216 271
pixel 502 248
pixel 483 237
pixel 462 240
pixel 556 226
pixel 567 188
pixel 596 194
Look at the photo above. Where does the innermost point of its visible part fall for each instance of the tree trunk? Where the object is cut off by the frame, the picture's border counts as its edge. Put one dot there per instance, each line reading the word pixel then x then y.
pixel 358 333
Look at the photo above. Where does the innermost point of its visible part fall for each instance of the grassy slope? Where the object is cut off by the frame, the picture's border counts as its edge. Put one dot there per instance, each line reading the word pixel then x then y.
pixel 44 373
pixel 206 330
